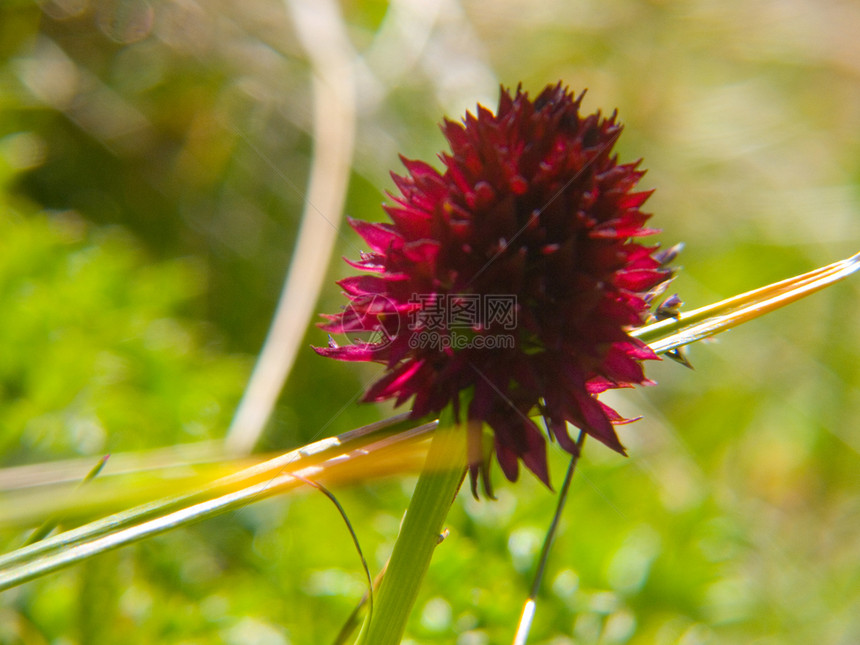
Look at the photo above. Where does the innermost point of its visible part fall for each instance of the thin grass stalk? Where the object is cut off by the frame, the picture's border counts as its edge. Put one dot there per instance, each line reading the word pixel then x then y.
pixel 691 326
pixel 68 551
pixel 327 451
pixel 525 624
pixel 50 524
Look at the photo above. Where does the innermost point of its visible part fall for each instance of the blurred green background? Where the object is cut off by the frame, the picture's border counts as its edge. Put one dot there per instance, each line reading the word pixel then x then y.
pixel 153 167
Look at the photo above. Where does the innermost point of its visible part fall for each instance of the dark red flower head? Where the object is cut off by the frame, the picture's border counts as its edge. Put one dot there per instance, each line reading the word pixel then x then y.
pixel 506 284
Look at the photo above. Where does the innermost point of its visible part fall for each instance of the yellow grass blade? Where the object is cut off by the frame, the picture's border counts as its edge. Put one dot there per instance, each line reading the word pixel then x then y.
pixel 708 321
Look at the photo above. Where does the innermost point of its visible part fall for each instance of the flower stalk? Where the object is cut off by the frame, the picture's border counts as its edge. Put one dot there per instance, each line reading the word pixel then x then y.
pixel 528 612
pixel 420 532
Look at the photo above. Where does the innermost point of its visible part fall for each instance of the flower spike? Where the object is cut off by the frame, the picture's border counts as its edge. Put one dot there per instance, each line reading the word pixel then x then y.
pixel 510 276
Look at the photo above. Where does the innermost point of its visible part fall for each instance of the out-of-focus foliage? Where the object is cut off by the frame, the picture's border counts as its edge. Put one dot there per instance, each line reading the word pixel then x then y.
pixel 94 356
pixel 155 158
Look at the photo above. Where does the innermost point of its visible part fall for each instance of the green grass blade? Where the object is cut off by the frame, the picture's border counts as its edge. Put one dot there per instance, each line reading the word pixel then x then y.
pixel 335 458
pixel 50 524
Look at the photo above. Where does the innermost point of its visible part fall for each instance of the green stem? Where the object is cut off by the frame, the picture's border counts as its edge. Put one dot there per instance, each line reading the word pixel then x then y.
pixel 435 492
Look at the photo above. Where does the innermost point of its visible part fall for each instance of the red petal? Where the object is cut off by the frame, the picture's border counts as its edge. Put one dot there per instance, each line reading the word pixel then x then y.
pixel 391 383
pixel 634 200
pixel 620 367
pixel 597 423
pixel 508 461
pixel 347 352
pixel 380 237
pixel 370 263
pixel 535 456
pixel 368 285
pixel 640 279
pixel 421 251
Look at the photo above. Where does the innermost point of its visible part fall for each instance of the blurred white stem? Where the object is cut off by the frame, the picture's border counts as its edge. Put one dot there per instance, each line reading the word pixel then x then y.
pixel 319 26
pixel 525 622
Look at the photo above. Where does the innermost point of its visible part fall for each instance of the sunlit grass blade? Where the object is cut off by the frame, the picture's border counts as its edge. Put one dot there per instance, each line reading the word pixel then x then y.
pixel 30 493
pixel 708 321
pixel 304 457
pixel 72 471
pixel 50 524
pixel 389 447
